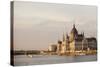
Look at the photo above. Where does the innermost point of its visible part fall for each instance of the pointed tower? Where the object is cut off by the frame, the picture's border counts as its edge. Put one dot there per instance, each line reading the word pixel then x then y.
pixel 67 37
pixel 64 37
pixel 63 46
pixel 74 30
pixel 73 33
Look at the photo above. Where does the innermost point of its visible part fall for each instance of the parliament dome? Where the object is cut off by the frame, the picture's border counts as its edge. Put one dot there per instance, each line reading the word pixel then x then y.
pixel 74 30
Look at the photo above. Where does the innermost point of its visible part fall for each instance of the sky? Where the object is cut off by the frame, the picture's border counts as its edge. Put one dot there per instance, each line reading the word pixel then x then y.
pixel 38 25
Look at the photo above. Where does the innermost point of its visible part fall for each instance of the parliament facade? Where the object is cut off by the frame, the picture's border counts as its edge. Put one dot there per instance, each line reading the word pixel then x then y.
pixel 75 43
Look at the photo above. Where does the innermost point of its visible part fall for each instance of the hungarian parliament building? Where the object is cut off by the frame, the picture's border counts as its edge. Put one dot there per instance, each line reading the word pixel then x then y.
pixel 74 43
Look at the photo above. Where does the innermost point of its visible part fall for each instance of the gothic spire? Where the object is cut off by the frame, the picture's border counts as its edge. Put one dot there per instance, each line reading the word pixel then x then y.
pixel 63 37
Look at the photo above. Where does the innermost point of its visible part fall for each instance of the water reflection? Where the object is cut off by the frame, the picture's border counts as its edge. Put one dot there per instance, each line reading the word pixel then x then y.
pixel 53 59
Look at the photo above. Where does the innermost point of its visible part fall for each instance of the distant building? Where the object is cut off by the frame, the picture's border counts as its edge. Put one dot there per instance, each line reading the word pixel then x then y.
pixel 92 43
pixel 75 42
pixel 53 48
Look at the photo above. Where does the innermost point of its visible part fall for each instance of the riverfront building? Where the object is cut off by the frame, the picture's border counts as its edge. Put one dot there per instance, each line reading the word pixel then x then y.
pixel 75 42
pixel 52 48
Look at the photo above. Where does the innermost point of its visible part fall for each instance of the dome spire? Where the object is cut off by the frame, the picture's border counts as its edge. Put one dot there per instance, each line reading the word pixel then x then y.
pixel 73 25
pixel 74 30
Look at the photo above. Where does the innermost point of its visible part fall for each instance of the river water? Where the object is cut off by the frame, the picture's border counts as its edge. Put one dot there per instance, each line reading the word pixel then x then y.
pixel 22 60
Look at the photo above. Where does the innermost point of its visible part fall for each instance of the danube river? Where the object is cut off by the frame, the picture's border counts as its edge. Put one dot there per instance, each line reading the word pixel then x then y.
pixel 20 60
